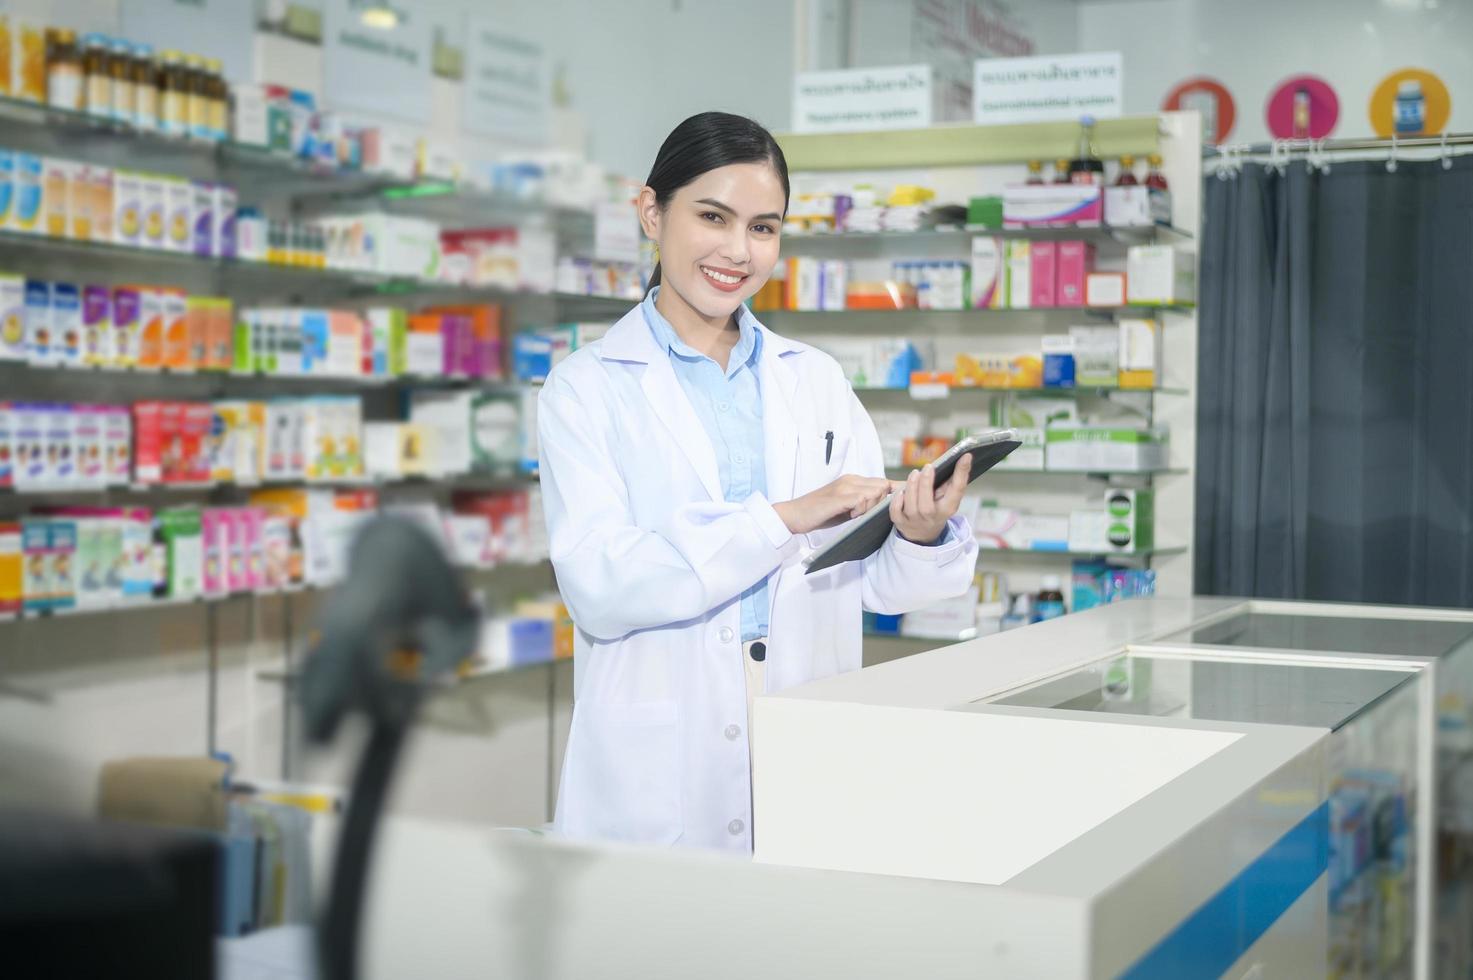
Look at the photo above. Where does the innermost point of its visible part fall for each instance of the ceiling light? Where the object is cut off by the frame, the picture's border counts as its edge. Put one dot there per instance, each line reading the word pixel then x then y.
pixel 379 16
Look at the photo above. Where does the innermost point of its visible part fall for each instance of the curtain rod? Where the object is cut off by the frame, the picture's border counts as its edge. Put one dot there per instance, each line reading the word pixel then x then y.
pixel 1340 145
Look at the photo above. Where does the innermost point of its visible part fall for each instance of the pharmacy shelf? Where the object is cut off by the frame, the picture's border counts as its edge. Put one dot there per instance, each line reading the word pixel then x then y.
pixel 1011 553
pixel 842 317
pixel 900 473
pixel 179 602
pixel 457 481
pixel 962 391
pixel 958 238
pixel 475 673
pixel 240 275
pixel 86 372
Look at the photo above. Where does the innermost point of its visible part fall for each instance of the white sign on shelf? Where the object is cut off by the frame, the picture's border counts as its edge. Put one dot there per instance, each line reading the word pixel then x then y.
pixel 210 28
pixel 859 99
pixel 1019 90
pixel 375 70
pixel 616 232
pixel 508 84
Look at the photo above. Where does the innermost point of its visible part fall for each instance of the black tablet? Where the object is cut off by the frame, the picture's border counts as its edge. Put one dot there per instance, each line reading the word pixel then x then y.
pixel 870 531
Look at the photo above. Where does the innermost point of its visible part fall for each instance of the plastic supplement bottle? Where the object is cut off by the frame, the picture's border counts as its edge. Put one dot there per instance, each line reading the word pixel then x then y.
pixel 173 95
pixel 120 68
pixel 96 80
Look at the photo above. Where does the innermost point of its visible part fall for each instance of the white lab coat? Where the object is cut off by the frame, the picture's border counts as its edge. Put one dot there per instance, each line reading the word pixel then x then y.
pixel 651 562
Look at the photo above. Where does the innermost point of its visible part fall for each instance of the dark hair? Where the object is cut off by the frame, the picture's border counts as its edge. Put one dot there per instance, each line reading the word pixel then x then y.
pixel 705 142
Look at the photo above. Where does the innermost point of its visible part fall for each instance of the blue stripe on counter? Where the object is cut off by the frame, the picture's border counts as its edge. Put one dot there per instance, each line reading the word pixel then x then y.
pixel 1223 928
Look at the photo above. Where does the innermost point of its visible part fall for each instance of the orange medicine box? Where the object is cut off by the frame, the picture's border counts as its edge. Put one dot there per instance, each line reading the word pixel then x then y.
pixel 178 346
pixel 11 565
pixel 150 327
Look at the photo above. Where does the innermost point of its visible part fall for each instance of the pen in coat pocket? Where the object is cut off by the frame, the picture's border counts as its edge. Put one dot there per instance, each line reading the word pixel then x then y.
pixel 828 449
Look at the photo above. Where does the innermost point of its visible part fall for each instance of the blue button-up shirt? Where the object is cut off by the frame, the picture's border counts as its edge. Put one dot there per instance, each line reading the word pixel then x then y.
pixel 729 405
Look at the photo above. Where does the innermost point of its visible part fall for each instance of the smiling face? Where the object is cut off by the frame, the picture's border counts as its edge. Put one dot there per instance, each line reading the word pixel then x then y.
pixel 718 235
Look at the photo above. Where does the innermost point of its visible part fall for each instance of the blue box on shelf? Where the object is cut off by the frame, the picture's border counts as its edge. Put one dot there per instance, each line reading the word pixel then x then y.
pixel 531 641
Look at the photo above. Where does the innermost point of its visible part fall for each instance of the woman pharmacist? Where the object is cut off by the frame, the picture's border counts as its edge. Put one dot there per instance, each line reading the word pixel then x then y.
pixel 690 460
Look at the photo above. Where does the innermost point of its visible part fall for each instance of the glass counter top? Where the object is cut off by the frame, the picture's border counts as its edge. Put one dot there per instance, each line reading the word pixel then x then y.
pixel 1344 634
pixel 1213 690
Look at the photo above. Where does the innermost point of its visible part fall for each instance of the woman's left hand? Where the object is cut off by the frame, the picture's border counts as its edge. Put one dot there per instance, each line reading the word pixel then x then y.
pixel 919 511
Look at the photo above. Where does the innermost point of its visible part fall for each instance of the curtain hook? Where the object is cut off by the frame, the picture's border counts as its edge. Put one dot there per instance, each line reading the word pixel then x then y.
pixel 1324 157
pixel 1447 153
pixel 1391 160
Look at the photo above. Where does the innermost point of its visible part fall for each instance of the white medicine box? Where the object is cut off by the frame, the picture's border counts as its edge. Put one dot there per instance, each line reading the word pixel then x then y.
pixel 1159 274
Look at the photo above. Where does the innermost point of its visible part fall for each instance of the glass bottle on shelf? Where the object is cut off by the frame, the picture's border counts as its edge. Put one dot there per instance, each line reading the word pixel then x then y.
pixel 1154 177
pixel 1035 172
pixel 97 82
pixel 218 94
pixel 1061 170
pixel 1126 178
pixel 1087 167
pixel 173 95
pixel 64 76
pixel 120 68
pixel 145 89
pixel 196 98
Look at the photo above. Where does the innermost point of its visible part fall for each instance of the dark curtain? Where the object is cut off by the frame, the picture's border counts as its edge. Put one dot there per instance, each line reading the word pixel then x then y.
pixel 1335 413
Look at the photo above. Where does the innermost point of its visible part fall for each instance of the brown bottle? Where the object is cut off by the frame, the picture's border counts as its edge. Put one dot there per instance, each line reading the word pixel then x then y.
pixel 218 94
pixel 63 70
pixel 98 84
pixel 120 69
pixel 1061 171
pixel 145 89
pixel 197 98
pixel 173 95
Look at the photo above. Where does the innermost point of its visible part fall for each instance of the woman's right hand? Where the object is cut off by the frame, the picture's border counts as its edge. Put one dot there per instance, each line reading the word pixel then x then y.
pixel 848 497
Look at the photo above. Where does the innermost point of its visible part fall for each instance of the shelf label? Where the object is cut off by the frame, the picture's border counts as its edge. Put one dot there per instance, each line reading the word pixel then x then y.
pixel 858 99
pixel 377 70
pixel 1055 87
pixel 508 85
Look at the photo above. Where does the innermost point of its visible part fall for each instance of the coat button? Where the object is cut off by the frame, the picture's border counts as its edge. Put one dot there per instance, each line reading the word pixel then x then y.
pixel 733 732
pixel 735 827
pixel 725 634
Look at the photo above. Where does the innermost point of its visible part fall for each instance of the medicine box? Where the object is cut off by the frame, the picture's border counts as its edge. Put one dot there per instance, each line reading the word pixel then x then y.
pixel 1140 353
pixel 56 176
pixel 90 445
pixel 7 445
pixel 41 349
pixel 1159 274
pixel 1132 207
pixel 7 184
pixel 184 547
pixel 1058 361
pixel 103 208
pixel 151 315
pixel 1130 513
pixel 202 218
pixel 97 331
pixel 1104 289
pixel 1043 274
pixel 61 448
pixel 29 195
pixel 36 587
pixel 154 211
pixel 1096 356
pixel 12 568
pixel 1104 449
pixel 1020 281
pixel 127 326
pixel 13 323
pixel 117 438
pixel 989 273
pixel 223 222
pixel 1075 262
pixel 128 215
pixel 66 324
pixel 1052 205
pixel 62 548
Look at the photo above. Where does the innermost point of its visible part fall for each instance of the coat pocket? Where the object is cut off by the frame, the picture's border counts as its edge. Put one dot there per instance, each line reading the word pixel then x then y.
pixel 622 773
